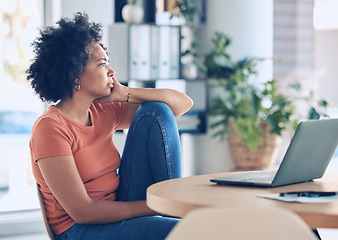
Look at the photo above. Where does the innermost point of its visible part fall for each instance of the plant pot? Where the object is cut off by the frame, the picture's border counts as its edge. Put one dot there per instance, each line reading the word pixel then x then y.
pixel 253 159
pixel 132 13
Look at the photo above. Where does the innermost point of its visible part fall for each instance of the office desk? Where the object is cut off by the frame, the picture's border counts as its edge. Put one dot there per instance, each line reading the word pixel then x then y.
pixel 177 197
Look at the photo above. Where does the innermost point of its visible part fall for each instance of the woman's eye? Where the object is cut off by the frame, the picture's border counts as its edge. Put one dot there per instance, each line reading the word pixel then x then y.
pixel 102 64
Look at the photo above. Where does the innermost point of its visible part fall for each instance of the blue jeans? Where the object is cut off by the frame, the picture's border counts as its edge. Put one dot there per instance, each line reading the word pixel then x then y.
pixel 151 154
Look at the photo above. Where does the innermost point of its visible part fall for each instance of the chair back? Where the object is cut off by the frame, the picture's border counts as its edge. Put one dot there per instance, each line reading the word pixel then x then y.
pixel 49 230
pixel 241 224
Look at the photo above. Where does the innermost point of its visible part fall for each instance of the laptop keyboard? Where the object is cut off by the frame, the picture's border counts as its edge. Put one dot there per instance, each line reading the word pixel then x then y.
pixel 265 176
pixel 259 179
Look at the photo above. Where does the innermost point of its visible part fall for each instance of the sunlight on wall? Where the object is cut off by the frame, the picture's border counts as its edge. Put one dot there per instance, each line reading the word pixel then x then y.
pixel 325 14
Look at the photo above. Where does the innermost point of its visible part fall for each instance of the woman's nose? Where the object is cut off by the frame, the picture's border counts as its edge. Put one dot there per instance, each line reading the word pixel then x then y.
pixel 111 73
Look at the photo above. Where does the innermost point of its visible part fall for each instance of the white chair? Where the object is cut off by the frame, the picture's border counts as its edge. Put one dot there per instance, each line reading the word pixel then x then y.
pixel 241 224
pixel 49 230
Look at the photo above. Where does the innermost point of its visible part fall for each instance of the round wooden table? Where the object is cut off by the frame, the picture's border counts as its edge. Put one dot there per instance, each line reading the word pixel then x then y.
pixel 177 197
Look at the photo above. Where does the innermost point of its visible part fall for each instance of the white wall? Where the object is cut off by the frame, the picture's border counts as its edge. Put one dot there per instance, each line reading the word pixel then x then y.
pixel 249 24
pixel 101 11
pixel 326 59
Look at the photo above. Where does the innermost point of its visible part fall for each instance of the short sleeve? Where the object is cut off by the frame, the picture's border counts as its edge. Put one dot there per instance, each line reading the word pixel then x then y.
pixel 116 110
pixel 50 138
pixel 122 115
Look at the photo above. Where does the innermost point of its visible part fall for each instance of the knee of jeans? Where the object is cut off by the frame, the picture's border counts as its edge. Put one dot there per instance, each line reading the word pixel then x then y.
pixel 157 108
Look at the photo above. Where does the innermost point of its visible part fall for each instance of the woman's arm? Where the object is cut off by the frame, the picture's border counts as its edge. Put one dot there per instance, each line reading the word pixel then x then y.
pixel 64 181
pixel 178 102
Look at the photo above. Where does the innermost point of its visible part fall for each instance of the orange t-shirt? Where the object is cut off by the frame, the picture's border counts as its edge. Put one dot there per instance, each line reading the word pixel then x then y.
pixel 92 147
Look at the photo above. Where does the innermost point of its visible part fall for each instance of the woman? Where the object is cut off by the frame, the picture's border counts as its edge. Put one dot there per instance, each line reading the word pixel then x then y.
pixel 87 193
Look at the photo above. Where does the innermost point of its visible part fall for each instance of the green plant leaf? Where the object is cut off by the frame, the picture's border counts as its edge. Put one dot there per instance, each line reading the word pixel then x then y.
pixel 248 103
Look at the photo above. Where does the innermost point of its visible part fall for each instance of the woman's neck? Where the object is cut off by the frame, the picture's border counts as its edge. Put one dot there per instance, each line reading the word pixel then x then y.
pixel 75 111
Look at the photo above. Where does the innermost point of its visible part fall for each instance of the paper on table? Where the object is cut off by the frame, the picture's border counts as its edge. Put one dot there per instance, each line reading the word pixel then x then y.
pixel 328 233
pixel 298 199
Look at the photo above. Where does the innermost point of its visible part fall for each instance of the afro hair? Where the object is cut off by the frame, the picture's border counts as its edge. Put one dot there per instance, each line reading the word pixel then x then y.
pixel 61 54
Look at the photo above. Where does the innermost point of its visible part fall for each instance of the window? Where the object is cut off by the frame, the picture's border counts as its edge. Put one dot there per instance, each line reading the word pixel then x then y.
pixel 19 107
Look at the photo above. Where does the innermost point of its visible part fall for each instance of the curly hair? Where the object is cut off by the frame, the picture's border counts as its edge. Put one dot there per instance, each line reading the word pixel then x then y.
pixel 61 54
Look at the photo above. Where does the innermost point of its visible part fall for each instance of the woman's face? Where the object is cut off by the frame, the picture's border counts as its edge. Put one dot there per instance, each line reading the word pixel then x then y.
pixel 96 79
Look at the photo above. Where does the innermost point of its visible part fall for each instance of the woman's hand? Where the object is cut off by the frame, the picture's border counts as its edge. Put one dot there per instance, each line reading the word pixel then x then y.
pixel 119 93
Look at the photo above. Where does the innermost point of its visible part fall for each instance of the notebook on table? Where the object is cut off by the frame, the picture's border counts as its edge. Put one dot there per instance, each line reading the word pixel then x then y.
pixel 306 158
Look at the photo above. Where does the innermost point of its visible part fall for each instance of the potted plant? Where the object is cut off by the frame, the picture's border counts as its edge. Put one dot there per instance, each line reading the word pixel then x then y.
pixel 251 114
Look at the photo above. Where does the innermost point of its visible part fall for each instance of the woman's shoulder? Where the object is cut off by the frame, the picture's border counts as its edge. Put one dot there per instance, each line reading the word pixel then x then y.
pixel 49 118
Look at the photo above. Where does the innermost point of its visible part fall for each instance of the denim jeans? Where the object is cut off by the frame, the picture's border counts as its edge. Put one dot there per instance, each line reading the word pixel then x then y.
pixel 151 154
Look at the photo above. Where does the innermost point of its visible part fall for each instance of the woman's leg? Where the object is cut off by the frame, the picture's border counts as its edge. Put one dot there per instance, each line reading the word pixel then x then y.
pixel 142 228
pixel 152 152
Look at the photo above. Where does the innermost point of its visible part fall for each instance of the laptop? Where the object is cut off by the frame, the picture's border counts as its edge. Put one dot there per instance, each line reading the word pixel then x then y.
pixel 306 158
